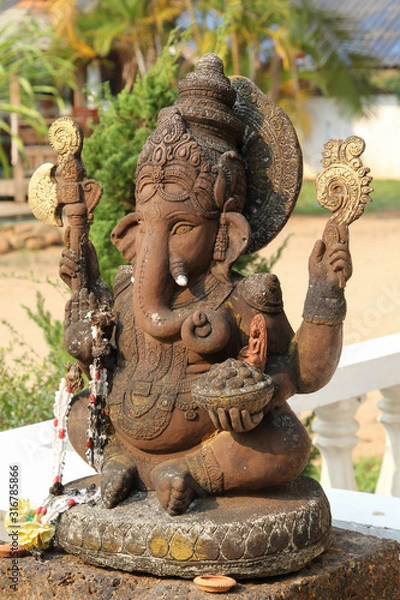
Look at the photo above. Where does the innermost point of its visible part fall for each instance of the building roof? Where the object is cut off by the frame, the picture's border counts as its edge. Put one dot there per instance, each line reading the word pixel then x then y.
pixel 378 23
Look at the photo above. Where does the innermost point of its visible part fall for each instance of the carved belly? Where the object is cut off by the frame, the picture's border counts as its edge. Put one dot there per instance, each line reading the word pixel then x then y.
pixel 145 417
pixel 166 427
pixel 146 410
pixel 149 388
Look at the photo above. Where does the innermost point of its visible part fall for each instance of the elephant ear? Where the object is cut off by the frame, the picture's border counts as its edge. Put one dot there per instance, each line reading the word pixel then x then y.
pixel 123 236
pixel 238 235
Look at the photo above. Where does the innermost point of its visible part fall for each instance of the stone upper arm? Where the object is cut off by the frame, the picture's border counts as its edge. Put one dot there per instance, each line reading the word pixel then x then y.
pixel 262 294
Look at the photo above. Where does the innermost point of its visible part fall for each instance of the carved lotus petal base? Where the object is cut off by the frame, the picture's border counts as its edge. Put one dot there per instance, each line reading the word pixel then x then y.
pixel 245 537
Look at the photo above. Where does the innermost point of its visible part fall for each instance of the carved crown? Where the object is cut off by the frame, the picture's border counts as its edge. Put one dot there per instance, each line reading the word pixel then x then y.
pixel 195 141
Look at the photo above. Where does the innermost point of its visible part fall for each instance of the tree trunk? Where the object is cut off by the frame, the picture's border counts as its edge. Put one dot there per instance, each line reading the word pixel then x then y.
pixel 196 28
pixel 235 51
pixel 276 68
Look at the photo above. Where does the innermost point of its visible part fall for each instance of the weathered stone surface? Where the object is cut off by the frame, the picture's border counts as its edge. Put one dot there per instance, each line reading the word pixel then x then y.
pixel 241 536
pixel 354 566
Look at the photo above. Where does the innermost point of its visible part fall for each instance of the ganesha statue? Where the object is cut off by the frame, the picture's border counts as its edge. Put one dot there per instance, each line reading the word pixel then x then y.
pixel 202 360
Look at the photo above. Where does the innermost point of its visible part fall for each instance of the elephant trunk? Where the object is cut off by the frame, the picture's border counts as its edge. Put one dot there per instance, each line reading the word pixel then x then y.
pixel 152 294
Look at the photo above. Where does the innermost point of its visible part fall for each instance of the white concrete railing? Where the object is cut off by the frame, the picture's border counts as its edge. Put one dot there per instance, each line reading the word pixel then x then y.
pixel 364 367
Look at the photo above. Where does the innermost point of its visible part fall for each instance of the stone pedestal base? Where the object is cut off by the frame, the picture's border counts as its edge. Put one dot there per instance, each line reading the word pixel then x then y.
pixel 353 566
pixel 244 537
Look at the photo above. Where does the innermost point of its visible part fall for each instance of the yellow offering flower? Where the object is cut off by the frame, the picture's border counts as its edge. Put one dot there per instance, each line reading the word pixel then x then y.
pixel 23 521
pixel 36 535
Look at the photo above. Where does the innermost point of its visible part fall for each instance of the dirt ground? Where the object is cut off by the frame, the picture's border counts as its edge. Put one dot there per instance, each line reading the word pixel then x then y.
pixel 373 293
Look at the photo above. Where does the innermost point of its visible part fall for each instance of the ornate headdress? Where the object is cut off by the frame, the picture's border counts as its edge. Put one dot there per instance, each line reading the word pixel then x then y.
pixel 195 144
pixel 231 148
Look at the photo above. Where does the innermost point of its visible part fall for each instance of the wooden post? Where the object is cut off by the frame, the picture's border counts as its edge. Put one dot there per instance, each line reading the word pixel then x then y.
pixel 19 184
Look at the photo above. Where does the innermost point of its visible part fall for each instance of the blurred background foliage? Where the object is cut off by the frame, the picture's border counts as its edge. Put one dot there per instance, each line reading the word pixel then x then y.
pixel 290 48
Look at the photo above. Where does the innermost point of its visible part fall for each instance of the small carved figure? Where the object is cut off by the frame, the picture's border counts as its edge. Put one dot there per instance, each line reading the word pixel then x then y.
pixel 218 177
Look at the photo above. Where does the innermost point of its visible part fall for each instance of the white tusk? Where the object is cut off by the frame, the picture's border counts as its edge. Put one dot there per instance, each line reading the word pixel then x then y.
pixel 181 280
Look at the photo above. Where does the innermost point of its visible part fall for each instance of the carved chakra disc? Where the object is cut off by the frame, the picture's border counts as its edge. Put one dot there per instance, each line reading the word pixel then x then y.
pixel 273 160
pixel 66 136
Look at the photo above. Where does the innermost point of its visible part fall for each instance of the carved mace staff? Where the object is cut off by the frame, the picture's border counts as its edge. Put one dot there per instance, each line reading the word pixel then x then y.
pixel 343 186
pixel 53 188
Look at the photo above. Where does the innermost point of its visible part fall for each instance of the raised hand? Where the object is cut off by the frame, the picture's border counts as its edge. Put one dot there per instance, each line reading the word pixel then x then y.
pixel 330 261
pixel 77 325
pixel 70 266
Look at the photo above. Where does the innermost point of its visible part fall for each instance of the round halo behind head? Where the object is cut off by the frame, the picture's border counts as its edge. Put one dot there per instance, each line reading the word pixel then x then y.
pixel 273 162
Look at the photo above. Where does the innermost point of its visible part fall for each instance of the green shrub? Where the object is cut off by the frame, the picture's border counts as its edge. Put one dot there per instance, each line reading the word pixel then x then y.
pixel 366 472
pixel 254 263
pixel 27 383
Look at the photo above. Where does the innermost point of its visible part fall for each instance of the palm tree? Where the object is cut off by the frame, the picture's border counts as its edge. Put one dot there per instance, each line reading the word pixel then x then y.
pixel 291 49
pixel 133 30
pixel 329 60
pixel 28 67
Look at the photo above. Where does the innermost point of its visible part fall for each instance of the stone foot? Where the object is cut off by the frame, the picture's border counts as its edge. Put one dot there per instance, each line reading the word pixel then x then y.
pixel 117 482
pixel 175 487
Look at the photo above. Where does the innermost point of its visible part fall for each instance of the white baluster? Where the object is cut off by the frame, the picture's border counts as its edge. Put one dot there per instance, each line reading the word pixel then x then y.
pixel 336 427
pixel 389 477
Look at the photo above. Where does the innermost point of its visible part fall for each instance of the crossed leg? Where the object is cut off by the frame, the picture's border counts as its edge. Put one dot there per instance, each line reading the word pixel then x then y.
pixel 272 454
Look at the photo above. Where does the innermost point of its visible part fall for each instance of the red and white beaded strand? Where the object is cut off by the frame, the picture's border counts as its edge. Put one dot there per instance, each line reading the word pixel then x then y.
pixel 61 408
pixel 57 502
pixel 97 433
pixel 53 506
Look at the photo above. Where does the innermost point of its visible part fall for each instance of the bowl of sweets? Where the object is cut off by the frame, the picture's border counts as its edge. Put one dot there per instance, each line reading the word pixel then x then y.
pixel 233 384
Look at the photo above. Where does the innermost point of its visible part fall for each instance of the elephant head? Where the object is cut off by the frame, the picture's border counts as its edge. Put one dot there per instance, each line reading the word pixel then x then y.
pixel 190 191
